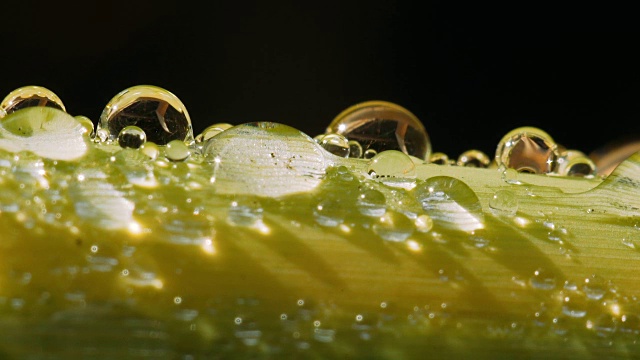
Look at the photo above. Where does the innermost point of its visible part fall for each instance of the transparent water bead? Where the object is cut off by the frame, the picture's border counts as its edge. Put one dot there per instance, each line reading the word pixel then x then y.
pixel 504 202
pixel 264 159
pixel 335 144
pixel 392 164
pixel 450 203
pixel 158 112
pixel 575 163
pixel 371 202
pixel 474 158
pixel 211 131
pixel 440 158
pixel 131 137
pixel 87 124
pixel 355 149
pixel 382 125
pixel 28 96
pixel 177 150
pixel 394 226
pixel 528 149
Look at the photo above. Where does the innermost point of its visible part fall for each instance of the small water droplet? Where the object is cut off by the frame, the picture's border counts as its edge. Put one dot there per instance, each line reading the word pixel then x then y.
pixel 371 202
pixel 543 280
pixel 474 158
pixel 335 144
pixel 369 154
pixel 150 149
pixel 211 131
pixel 355 149
pixel 528 149
pixel 510 176
pixel 440 158
pixel 329 212
pixel 382 125
pixel 595 287
pixel 574 305
pixel 87 124
pixel 504 202
pixel 177 150
pixel 394 226
pixel 423 223
pixel 575 163
pixel 245 212
pixel 131 137
pixel 28 96
pixel 158 112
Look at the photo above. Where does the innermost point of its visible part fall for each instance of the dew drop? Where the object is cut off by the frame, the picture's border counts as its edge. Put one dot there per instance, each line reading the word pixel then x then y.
pixel 594 287
pixel 287 160
pixel 504 202
pixel 335 144
pixel 158 112
pixel 211 131
pixel 439 158
pixel 150 149
pixel 543 280
pixel 382 125
pixel 392 164
pixel 131 137
pixel 528 149
pixel 87 124
pixel 371 202
pixel 394 226
pixel 510 176
pixel 575 305
pixel 575 163
pixel 329 212
pixel 450 202
pixel 29 96
pixel 473 158
pixel 369 154
pixel 177 150
pixel 245 212
pixel 423 223
pixel 355 149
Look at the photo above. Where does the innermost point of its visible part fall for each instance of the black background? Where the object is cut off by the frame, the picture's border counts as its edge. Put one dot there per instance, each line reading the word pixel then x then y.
pixel 470 71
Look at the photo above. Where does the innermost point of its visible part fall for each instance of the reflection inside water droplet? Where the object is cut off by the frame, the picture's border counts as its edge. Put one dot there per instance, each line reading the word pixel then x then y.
pixel 382 125
pixel 371 202
pixel 158 112
pixel 29 96
pixel 131 137
pixel 177 150
pixel 504 202
pixel 394 226
pixel 528 149
pixel 335 144
pixel 474 158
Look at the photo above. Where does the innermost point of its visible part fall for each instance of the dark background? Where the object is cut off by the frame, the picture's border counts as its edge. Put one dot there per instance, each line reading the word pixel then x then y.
pixel 470 71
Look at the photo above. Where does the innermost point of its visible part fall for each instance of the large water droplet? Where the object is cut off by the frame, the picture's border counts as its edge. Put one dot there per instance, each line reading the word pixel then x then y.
pixel 28 96
pixel 528 149
pixel 393 168
pixel 450 203
pixel 287 160
pixel 575 163
pixel 381 125
pixel 329 212
pixel 158 112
